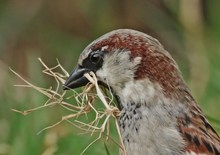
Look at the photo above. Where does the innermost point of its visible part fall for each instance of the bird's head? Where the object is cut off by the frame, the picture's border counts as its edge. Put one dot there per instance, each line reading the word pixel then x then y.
pixel 128 60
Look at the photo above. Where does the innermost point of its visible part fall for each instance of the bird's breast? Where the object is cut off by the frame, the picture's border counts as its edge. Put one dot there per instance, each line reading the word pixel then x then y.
pixel 148 130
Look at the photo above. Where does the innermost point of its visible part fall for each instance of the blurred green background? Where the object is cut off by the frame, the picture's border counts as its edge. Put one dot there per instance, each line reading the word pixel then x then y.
pixel 52 29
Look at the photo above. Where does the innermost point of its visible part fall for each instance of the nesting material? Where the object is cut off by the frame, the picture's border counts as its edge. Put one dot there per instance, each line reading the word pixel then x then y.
pixel 85 104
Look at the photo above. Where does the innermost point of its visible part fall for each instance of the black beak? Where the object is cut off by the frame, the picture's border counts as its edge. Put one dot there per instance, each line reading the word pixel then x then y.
pixel 76 79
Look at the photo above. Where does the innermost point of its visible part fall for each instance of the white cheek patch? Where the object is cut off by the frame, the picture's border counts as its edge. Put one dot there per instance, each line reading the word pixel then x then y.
pixel 118 69
pixel 138 91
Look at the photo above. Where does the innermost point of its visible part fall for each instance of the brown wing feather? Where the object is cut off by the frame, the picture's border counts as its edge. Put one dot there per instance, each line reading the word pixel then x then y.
pixel 199 135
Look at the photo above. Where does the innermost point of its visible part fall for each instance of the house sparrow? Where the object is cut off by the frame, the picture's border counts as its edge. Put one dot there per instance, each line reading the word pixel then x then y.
pixel 158 114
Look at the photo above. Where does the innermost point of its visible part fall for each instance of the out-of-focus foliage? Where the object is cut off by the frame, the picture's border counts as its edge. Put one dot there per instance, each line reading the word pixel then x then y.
pixel 53 29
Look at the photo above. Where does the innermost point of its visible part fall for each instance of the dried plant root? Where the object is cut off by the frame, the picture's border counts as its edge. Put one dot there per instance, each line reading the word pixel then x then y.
pixel 85 104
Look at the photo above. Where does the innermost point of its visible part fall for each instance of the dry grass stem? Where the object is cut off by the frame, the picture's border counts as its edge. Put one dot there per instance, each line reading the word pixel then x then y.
pixel 84 104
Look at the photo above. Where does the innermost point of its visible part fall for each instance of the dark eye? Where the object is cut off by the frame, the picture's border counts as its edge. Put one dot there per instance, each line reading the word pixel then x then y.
pixel 95 58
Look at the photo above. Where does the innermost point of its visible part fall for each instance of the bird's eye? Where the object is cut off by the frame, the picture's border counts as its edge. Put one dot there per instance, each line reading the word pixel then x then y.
pixel 95 58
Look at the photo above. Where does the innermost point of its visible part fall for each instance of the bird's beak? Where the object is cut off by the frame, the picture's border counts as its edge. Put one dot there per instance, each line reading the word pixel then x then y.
pixel 76 79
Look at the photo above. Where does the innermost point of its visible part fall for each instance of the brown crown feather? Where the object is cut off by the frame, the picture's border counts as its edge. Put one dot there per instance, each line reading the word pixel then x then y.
pixel 156 64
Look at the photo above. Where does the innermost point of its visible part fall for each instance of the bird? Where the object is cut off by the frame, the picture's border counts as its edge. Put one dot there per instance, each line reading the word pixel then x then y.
pixel 158 114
